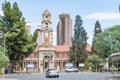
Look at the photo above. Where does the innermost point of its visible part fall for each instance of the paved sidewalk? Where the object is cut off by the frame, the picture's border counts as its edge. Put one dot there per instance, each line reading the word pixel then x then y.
pixel 116 77
pixel 8 79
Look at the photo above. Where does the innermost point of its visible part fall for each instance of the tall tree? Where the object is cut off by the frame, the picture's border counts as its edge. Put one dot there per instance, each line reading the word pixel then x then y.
pixel 93 61
pixel 113 33
pixel 107 42
pixel 18 43
pixel 35 35
pixel 97 29
pixel 101 47
pixel 78 51
pixel 4 60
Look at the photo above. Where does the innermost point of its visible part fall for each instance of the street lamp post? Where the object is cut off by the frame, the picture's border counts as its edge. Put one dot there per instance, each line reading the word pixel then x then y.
pixel 110 55
pixel 4 48
pixel 111 44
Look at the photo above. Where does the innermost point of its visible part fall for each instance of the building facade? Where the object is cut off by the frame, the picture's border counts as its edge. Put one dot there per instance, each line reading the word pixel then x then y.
pixel 46 55
pixel 116 60
pixel 28 26
pixel 64 30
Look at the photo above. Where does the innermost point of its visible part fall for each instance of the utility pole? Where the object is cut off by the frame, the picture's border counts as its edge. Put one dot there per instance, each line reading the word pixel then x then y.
pixel 111 45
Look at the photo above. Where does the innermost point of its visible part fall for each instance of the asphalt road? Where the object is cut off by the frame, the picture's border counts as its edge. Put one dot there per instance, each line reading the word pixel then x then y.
pixel 62 76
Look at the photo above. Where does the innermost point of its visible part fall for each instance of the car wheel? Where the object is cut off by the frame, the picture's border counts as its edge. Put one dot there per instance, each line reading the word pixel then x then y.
pixel 57 76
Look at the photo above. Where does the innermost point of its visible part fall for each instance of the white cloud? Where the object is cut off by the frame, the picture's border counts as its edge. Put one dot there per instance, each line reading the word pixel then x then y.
pixel 104 16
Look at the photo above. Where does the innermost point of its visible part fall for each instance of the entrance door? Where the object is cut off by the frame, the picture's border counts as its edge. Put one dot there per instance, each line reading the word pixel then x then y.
pixel 46 62
pixel 46 65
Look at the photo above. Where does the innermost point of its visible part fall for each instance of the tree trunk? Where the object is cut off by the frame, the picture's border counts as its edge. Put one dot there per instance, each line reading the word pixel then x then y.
pixel 12 67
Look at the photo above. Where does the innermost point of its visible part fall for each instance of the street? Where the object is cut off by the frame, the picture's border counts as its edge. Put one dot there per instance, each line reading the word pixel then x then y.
pixel 63 76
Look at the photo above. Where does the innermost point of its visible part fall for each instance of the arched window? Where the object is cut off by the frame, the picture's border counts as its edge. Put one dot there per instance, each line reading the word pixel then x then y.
pixel 46 25
pixel 46 17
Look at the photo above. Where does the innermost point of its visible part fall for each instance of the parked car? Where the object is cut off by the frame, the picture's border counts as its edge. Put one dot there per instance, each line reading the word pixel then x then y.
pixel 52 73
pixel 71 69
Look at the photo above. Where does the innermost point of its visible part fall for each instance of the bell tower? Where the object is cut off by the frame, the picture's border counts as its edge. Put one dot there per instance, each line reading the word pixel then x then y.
pixel 46 29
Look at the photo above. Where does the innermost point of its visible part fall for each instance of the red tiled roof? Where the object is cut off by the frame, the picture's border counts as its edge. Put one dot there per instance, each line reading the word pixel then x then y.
pixel 37 48
pixel 89 48
pixel 62 48
pixel 65 48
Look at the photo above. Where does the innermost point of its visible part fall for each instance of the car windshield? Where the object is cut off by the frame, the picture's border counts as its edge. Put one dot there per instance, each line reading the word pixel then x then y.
pixel 52 69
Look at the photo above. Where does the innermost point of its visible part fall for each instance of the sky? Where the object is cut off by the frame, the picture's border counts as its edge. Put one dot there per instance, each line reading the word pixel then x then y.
pixel 105 11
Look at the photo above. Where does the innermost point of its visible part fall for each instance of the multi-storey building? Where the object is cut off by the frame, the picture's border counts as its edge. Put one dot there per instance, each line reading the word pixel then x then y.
pixel 28 26
pixel 64 30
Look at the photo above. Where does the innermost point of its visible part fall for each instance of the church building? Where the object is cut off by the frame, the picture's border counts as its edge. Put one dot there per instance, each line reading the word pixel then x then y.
pixel 46 55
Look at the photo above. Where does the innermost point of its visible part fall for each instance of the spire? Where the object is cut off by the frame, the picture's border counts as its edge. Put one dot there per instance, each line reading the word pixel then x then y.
pixel 46 12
